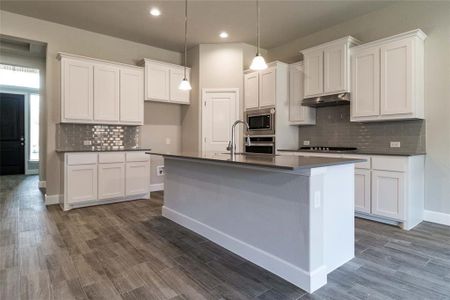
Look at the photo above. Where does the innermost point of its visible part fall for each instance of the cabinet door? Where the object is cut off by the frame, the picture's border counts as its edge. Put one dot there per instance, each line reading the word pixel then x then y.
pixel 362 190
pixel 396 78
pixel 111 180
pixel 137 178
pixel 81 183
pixel 298 114
pixel 77 91
pixel 106 93
pixel 268 87
pixel 131 96
pixel 313 73
pixel 251 90
pixel 388 194
pixel 157 82
pixel 335 66
pixel 177 95
pixel 366 83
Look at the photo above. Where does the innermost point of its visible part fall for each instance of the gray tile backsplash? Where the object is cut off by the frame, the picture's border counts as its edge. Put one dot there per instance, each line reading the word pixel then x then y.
pixel 333 128
pixel 102 137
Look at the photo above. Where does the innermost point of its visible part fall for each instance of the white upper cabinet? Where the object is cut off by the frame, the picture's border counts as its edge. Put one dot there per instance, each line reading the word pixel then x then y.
pixel 100 92
pixel 132 96
pixel 106 93
pixel 327 67
pixel 388 78
pixel 313 73
pixel 162 81
pixel 251 90
pixel 77 91
pixel 298 114
pixel 267 87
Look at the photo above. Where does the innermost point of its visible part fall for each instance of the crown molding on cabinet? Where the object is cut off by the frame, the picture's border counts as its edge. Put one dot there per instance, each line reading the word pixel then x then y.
pixel 413 33
pixel 60 55
pixel 348 39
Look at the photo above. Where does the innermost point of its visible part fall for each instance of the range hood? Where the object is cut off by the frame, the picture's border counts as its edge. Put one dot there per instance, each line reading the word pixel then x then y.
pixel 329 100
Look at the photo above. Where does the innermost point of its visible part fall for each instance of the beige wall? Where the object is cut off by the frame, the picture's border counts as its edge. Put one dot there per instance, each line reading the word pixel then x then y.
pixel 434 19
pixel 161 120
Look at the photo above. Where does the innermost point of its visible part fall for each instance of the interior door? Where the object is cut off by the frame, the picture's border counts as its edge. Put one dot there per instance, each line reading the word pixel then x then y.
pixel 219 114
pixel 12 134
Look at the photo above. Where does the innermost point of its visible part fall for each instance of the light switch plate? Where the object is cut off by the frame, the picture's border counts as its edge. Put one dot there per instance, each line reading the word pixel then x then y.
pixel 160 170
pixel 306 143
pixel 395 144
pixel 168 141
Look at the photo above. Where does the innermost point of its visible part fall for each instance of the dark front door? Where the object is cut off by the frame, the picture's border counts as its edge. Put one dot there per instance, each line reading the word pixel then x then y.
pixel 12 134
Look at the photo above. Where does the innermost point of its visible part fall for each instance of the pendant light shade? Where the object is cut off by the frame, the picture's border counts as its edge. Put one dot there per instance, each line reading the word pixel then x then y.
pixel 258 62
pixel 184 84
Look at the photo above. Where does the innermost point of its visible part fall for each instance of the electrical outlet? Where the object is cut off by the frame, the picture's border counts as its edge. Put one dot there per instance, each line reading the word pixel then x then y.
pixel 306 143
pixel 168 141
pixel 395 144
pixel 87 143
pixel 160 170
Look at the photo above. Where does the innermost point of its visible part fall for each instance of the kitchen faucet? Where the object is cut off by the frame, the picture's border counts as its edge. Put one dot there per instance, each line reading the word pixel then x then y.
pixel 232 144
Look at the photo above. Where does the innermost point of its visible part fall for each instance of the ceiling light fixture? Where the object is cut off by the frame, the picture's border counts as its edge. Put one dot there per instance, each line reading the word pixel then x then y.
pixel 223 34
pixel 155 12
pixel 184 84
pixel 258 62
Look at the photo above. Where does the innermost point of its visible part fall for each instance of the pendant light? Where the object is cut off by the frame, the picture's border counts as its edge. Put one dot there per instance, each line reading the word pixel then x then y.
pixel 258 62
pixel 184 84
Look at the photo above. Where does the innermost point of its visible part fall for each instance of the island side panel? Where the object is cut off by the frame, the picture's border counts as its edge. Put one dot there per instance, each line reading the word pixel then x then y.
pixel 260 214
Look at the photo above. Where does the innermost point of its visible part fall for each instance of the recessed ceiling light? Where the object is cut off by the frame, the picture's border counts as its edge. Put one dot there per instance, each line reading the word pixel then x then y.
pixel 155 12
pixel 223 34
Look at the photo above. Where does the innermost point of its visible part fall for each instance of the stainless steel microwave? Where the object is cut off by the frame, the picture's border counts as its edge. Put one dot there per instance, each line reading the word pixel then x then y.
pixel 261 122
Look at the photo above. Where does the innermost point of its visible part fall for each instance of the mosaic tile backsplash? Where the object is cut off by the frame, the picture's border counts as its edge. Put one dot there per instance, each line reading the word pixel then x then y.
pixel 333 128
pixel 102 137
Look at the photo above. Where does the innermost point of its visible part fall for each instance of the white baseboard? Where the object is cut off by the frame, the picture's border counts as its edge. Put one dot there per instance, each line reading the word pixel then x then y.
pixel 42 184
pixel 156 187
pixel 309 281
pixel 436 217
pixel 52 199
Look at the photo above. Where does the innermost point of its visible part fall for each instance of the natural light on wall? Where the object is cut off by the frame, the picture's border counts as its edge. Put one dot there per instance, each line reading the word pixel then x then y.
pixel 19 76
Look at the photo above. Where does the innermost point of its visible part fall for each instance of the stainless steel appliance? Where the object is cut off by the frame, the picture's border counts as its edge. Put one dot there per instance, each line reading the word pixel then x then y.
pixel 329 100
pixel 260 144
pixel 261 122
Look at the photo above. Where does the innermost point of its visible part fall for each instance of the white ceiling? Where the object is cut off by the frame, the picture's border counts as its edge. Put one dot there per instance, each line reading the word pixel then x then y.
pixel 281 21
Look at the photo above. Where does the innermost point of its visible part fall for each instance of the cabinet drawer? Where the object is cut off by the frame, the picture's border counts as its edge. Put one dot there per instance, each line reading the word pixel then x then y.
pixel 81 158
pixel 137 156
pixel 390 163
pixel 115 157
pixel 361 165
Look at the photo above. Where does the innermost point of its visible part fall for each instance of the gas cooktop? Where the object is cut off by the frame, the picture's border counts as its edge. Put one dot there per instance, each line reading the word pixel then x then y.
pixel 327 148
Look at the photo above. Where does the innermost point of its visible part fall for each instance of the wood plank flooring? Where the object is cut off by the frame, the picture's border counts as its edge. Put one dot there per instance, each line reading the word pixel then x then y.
pixel 128 251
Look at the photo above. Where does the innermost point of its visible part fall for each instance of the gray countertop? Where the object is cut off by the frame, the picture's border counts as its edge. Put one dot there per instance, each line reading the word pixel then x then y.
pixel 283 162
pixel 361 152
pixel 67 150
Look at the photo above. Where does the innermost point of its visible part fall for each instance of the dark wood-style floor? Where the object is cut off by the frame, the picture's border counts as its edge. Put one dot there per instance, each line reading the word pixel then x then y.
pixel 127 250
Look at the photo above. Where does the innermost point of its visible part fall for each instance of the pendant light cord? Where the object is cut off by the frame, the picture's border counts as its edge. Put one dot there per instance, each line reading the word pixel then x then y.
pixel 185 36
pixel 257 27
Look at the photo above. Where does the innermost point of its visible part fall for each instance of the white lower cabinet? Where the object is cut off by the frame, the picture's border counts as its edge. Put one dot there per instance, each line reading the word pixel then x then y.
pixel 97 178
pixel 388 194
pixel 111 181
pixel 362 190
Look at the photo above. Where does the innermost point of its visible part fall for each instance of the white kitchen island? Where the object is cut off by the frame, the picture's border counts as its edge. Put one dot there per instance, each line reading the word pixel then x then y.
pixel 291 215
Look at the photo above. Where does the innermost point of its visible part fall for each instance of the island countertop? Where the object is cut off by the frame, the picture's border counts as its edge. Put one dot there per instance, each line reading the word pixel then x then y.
pixel 283 162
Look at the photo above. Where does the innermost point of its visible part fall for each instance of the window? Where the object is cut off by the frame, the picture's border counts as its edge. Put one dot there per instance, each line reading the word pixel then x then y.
pixel 19 76
pixel 34 127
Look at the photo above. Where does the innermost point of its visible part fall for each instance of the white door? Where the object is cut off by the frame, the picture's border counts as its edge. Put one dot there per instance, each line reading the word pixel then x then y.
pixel 396 78
pixel 132 96
pixel 177 95
pixel 362 190
pixel 268 87
pixel 366 83
pixel 81 183
pixel 220 111
pixel 251 90
pixel 77 91
pixel 137 176
pixel 334 66
pixel 106 93
pixel 388 194
pixel 313 73
pixel 111 180
pixel 157 82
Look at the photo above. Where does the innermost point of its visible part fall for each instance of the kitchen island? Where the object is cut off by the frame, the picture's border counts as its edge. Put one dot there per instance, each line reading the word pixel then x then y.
pixel 291 215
